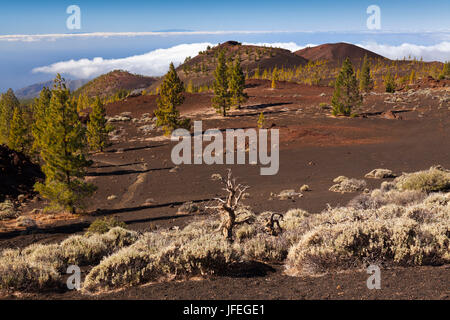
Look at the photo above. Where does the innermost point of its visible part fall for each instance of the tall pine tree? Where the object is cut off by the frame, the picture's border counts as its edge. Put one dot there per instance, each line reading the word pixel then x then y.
pixel 19 134
pixel 8 103
pixel 170 97
pixel 40 109
pixel 221 100
pixel 98 127
pixel 365 80
pixel 346 93
pixel 237 84
pixel 62 143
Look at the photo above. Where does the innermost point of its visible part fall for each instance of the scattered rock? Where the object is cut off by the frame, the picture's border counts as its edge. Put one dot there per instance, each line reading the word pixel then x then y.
pixel 174 169
pixel 147 128
pixel 26 222
pixel 289 194
pixel 216 177
pixel 305 188
pixel 119 118
pixel 188 208
pixel 36 211
pixel 380 174
pixel 149 201
pixel 112 197
pixel 346 185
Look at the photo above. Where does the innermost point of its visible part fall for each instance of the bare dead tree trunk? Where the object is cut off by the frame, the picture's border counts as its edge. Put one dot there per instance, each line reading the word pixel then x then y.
pixel 229 205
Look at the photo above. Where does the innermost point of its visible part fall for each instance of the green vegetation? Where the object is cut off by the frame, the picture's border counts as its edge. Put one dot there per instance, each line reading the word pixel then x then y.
pixel 8 103
pixel 346 93
pixel 98 128
pixel 40 109
pixel 389 83
pixel 261 120
pixel 237 84
pixel 221 100
pixel 19 133
pixel 170 96
pixel 365 80
pixel 445 73
pixel 101 226
pixel 62 148
pixel 433 180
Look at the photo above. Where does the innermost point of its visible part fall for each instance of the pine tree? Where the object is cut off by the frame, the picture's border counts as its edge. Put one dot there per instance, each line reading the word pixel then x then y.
pixel 221 99
pixel 170 96
pixel 8 103
pixel 412 77
pixel 19 135
pixel 62 143
pixel 98 128
pixel 261 120
pixel 389 83
pixel 445 73
pixel 365 80
pixel 346 93
pixel 237 84
pixel 40 109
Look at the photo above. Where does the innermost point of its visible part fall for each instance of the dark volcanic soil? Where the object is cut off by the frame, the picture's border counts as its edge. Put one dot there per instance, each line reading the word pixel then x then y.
pixel 315 148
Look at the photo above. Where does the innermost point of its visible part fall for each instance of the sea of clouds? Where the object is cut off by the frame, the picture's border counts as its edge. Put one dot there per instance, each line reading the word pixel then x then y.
pixel 156 62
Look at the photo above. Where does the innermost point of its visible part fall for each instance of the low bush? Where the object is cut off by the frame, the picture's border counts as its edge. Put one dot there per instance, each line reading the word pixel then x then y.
pixel 105 224
pixel 433 180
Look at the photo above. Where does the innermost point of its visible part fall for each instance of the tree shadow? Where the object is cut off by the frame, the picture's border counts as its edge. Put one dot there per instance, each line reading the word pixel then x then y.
pixel 247 269
pixel 134 148
pixel 267 105
pixel 123 172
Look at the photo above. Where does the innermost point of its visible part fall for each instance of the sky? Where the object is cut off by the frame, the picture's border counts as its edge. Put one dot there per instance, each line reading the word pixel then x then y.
pixel 35 42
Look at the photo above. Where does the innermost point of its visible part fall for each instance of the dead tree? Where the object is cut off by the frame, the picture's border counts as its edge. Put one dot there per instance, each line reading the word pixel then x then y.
pixel 272 225
pixel 229 206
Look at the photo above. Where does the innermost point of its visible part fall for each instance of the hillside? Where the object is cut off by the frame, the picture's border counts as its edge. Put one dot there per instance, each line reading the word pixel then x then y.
pixel 200 69
pixel 114 81
pixel 33 90
pixel 336 53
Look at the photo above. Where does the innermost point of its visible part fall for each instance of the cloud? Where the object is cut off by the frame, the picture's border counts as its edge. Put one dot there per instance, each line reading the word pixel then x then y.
pixel 291 46
pixel 437 52
pixel 57 36
pixel 155 63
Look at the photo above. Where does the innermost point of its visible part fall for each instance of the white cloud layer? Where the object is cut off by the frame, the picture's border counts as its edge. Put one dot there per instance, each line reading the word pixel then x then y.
pixel 438 52
pixel 155 63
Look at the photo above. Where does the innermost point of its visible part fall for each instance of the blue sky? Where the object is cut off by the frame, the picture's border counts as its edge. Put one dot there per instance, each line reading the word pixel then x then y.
pixel 31 17
pixel 408 27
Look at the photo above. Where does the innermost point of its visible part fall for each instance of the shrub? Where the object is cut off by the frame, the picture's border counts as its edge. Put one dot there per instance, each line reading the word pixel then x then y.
pixel 17 273
pixel 433 180
pixel 398 241
pixel 85 250
pixel 7 210
pixel 105 224
pixel 203 255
